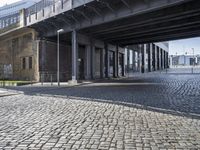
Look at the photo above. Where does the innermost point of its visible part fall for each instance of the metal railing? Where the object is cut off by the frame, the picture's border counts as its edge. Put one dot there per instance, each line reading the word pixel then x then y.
pixel 51 77
pixel 41 5
pixel 10 21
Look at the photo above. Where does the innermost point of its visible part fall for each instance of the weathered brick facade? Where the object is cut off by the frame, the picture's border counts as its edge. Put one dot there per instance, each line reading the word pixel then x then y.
pixel 19 50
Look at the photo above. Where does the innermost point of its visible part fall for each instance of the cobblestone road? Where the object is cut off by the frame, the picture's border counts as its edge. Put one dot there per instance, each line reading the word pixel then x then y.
pixel 154 111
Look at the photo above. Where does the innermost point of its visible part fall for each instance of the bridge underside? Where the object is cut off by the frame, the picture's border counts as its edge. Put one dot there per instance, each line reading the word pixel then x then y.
pixel 128 22
pixel 97 32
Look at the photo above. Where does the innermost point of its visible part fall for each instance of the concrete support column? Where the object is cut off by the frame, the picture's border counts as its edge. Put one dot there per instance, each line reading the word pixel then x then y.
pixel 163 59
pixel 133 60
pixel 117 61
pixel 92 57
pixel 143 67
pixel 74 55
pixel 102 57
pixel 140 58
pixel 150 50
pixel 37 64
pixel 88 62
pixel 128 61
pixel 154 57
pixel 143 59
pixel 106 60
pixel 167 57
pixel 43 56
pixel 158 57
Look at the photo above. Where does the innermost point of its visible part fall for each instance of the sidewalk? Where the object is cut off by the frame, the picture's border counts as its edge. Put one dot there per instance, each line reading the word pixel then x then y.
pixel 4 92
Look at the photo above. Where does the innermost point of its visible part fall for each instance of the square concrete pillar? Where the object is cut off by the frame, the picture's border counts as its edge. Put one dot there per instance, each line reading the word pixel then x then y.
pixel 74 57
pixel 128 61
pixel 167 61
pixel 144 59
pixel 162 59
pixel 106 60
pixel 150 50
pixel 117 62
pixel 92 57
pixel 102 66
pixel 153 58
pixel 88 62
pixel 133 60
pixel 158 57
pixel 140 58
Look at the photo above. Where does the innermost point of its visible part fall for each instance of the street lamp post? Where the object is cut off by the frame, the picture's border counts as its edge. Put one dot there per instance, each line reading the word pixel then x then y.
pixel 185 58
pixel 58 55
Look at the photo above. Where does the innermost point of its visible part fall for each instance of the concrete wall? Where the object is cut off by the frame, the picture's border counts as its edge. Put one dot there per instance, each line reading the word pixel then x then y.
pixel 15 48
pixel 48 61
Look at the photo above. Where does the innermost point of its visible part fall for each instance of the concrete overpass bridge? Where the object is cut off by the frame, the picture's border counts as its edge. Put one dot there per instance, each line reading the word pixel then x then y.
pixel 95 33
pixel 124 22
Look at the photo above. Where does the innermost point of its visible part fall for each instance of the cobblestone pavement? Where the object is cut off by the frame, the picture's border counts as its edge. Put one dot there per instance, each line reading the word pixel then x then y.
pixel 73 118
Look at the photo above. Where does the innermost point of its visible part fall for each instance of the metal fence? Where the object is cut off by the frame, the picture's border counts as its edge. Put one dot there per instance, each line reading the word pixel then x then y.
pixel 51 77
pixel 10 21
pixel 182 70
pixel 41 5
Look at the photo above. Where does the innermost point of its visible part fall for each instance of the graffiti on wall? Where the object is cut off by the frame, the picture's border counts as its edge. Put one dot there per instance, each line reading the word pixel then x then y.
pixel 6 71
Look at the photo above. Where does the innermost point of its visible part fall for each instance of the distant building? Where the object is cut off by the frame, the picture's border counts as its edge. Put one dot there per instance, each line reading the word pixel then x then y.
pixel 10 14
pixel 15 7
pixel 184 60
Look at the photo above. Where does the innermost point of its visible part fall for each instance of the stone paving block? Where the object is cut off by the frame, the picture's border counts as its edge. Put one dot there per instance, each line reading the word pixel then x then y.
pixel 59 123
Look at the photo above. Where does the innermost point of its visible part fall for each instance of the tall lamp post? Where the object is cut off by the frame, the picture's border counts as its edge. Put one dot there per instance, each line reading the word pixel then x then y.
pixel 185 58
pixel 58 55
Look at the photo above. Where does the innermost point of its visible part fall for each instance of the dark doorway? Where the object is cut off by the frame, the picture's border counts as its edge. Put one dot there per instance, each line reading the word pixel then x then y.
pixel 111 64
pixel 81 62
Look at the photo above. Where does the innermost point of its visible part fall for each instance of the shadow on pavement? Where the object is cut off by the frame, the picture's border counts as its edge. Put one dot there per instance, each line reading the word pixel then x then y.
pixel 146 93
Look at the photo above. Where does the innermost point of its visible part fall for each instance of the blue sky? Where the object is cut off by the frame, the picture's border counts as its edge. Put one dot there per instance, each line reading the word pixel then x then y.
pixel 183 46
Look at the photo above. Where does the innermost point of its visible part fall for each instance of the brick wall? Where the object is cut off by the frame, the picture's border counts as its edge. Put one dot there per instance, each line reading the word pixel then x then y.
pixel 13 49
